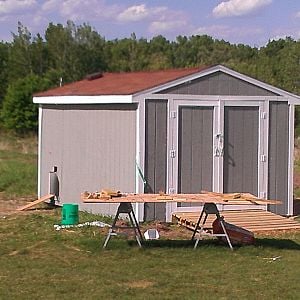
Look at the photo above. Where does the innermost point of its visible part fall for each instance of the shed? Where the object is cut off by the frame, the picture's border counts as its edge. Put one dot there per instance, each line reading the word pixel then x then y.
pixel 177 131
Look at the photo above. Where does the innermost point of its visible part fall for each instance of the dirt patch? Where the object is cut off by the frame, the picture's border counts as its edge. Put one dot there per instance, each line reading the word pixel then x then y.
pixel 9 206
pixel 166 230
pixel 140 284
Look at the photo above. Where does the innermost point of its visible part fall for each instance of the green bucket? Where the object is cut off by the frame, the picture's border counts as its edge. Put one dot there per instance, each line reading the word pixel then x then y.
pixel 69 214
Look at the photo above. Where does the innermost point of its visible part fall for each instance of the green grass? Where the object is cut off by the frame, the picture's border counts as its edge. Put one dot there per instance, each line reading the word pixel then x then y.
pixel 18 165
pixel 18 174
pixel 37 262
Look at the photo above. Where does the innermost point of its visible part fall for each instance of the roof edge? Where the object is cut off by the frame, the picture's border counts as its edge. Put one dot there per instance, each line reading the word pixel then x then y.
pixel 99 99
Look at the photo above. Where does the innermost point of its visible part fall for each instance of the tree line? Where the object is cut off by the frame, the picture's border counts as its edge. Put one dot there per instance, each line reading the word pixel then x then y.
pixel 67 53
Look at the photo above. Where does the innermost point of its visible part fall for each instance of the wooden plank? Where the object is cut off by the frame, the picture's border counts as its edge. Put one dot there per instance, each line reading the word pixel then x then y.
pixel 253 220
pixel 40 200
pixel 209 197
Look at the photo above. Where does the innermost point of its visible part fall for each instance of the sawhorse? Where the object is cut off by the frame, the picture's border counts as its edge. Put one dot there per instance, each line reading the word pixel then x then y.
pixel 210 209
pixel 125 208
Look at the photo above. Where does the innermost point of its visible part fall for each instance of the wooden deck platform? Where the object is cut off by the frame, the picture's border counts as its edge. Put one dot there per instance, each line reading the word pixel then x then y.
pixel 257 221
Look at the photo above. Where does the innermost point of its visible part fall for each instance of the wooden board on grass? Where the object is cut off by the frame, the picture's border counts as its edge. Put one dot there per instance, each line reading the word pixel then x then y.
pixel 33 203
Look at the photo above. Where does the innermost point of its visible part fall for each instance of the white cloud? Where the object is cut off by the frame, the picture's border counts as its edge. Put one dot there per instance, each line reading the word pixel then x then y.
pixel 140 12
pixel 50 5
pixel 12 6
pixel 134 13
pixel 167 25
pixel 238 7
pixel 81 9
pixel 161 18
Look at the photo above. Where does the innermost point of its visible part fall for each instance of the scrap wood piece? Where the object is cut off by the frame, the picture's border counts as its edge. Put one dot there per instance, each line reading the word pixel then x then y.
pixel 110 192
pixel 33 203
pixel 232 196
pixel 229 196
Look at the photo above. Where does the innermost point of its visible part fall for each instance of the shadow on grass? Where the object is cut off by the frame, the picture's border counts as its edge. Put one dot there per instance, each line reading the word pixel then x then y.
pixel 277 243
pixel 176 243
pixel 262 242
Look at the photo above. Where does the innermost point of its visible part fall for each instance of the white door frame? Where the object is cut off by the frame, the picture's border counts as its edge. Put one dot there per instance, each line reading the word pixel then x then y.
pixel 219 105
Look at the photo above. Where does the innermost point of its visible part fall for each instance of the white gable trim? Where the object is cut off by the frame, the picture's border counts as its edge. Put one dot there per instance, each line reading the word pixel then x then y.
pixel 226 71
pixel 258 83
pixel 102 99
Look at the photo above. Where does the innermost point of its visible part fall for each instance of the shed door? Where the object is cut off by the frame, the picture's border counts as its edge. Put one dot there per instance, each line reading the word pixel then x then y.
pixel 240 165
pixel 195 149
pixel 155 156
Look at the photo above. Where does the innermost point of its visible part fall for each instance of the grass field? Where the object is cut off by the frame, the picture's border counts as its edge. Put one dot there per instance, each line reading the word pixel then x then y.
pixel 18 165
pixel 38 262
pixel 18 174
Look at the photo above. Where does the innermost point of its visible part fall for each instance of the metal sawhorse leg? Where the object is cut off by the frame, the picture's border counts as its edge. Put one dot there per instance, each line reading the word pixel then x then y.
pixel 125 208
pixel 210 209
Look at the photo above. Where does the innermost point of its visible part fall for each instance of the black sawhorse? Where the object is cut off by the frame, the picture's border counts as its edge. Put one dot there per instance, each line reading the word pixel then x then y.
pixel 125 208
pixel 210 209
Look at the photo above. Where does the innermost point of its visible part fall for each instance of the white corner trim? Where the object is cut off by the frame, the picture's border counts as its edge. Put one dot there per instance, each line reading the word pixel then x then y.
pixel 290 208
pixel 101 99
pixel 40 150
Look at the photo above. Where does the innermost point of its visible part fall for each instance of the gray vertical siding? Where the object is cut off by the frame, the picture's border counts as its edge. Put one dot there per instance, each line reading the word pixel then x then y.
pixel 93 147
pixel 278 156
pixel 195 157
pixel 241 149
pixel 155 155
pixel 218 83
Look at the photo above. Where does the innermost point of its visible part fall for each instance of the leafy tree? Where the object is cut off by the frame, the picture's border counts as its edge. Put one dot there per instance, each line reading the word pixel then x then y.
pixel 3 69
pixel 61 50
pixel 20 58
pixel 124 55
pixel 18 111
pixel 160 53
pixel 39 56
pixel 89 48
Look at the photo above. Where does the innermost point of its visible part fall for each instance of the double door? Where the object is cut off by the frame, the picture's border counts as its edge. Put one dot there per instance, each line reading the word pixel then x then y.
pixel 219 147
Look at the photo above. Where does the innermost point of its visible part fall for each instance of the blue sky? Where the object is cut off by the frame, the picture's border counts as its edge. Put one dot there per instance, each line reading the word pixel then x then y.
pixel 252 22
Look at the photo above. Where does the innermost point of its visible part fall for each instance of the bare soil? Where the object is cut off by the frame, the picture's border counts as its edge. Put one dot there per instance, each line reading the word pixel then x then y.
pixel 166 230
pixel 9 206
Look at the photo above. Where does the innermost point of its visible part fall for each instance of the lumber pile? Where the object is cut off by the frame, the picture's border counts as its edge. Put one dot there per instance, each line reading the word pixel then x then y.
pixel 256 221
pixel 105 194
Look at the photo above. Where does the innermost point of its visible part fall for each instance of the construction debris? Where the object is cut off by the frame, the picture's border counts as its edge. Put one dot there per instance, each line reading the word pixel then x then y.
pixel 93 223
pixel 105 194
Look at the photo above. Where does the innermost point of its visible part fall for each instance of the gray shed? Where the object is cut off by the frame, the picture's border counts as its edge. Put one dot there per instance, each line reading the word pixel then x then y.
pixel 182 130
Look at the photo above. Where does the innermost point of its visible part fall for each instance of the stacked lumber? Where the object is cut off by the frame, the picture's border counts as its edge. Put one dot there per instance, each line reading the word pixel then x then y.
pixel 253 220
pixel 105 194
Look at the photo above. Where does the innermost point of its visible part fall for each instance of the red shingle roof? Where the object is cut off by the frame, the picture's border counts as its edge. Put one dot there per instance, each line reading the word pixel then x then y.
pixel 119 83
